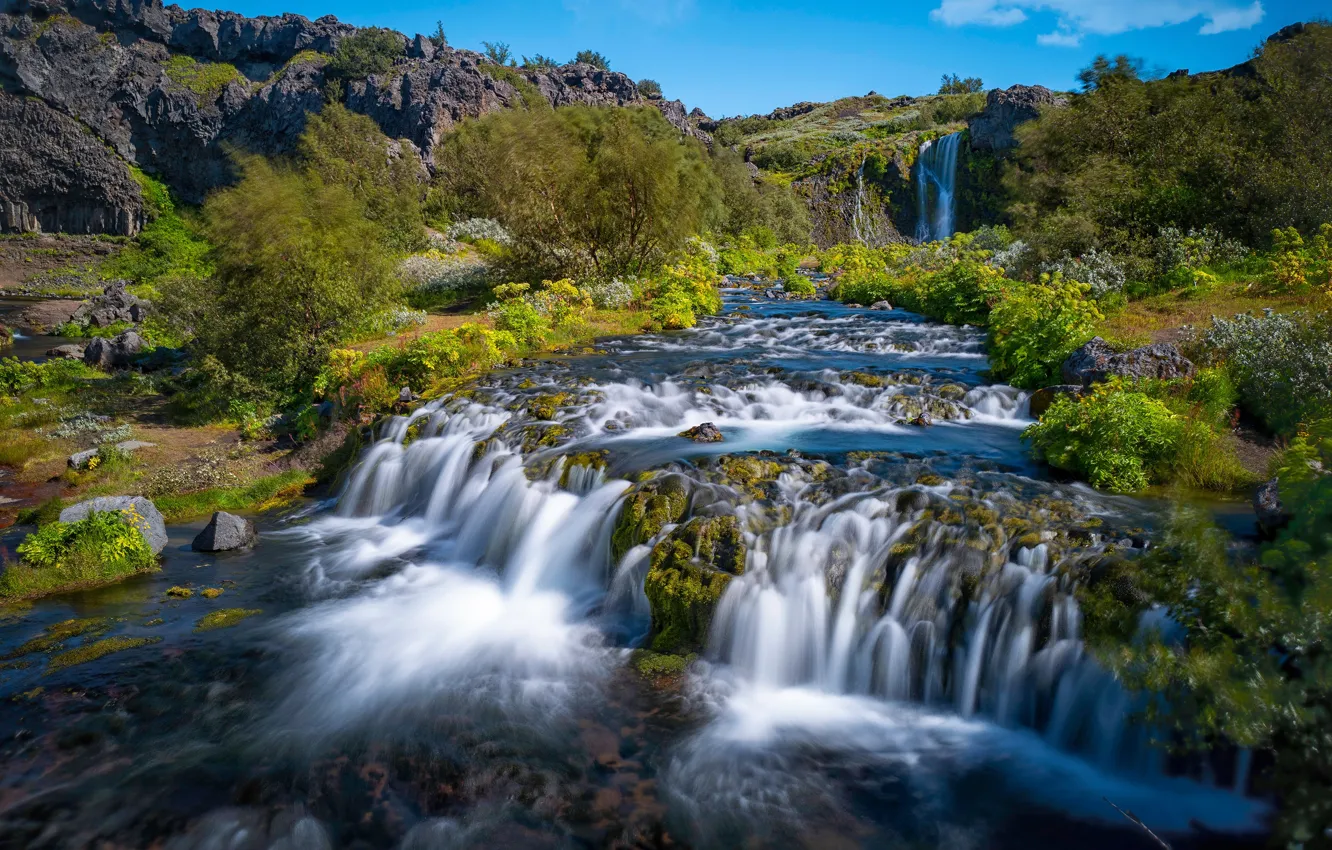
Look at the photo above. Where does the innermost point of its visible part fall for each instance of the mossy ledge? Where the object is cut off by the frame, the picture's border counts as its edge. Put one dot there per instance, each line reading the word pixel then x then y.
pixel 688 573
pixel 650 508
pixel 224 618
pixel 95 650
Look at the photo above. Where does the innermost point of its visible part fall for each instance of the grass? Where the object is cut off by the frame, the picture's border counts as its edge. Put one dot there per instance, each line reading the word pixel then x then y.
pixel 19 449
pixel 224 618
pixel 97 649
pixel 1146 320
pixel 204 79
pixel 79 571
pixel 263 494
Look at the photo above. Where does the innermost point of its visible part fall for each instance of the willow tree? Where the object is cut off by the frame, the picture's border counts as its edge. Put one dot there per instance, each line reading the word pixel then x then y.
pixel 584 191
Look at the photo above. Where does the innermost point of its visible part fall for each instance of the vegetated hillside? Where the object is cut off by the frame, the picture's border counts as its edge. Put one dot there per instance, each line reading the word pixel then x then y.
pixel 171 92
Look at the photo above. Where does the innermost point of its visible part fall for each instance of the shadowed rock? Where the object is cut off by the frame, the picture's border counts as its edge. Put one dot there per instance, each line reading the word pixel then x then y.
pixel 224 533
pixel 112 354
pixel 1097 361
pixel 705 433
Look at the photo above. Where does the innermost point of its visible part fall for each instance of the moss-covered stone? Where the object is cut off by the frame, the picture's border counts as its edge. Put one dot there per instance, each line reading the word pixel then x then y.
pixel 653 506
pixel 544 407
pixel 864 379
pixel 748 473
pixel 683 595
pixel 56 634
pixel 224 618
pixel 179 592
pixel 657 666
pixel 588 460
pixel 929 479
pixel 95 650
pixel 211 592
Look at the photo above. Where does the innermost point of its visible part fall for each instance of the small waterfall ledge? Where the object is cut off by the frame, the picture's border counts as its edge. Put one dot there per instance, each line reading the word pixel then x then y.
pixel 936 185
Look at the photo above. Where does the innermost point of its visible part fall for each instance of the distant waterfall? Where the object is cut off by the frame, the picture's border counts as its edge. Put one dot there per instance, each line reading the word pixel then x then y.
pixel 863 226
pixel 936 179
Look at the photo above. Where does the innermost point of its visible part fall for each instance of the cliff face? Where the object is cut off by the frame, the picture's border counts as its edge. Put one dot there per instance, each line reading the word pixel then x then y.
pixel 171 91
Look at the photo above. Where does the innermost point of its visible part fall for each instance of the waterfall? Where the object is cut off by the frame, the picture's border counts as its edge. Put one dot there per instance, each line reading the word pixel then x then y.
pixel 936 177
pixel 863 226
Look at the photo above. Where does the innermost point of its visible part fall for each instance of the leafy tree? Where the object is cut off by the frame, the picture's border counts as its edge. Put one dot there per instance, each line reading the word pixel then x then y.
pixel 593 58
pixel 649 88
pixel 747 204
pixel 1104 71
pixel 540 63
pixel 953 84
pixel 297 264
pixel 498 52
pixel 366 52
pixel 347 149
pixel 584 191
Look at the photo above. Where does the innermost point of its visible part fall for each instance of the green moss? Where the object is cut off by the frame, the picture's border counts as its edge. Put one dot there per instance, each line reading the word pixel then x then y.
pixel 716 542
pixel 544 407
pixel 864 379
pixel 929 479
pixel 588 460
pixel 156 621
pixel 683 595
pixel 224 618
pixel 179 592
pixel 647 511
pixel 54 635
pixel 211 592
pixel 750 472
pixel 205 79
pixel 98 649
pixel 655 665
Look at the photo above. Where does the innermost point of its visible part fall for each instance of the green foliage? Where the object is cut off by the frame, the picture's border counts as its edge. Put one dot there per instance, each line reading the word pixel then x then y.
pixel 439 39
pixel 1117 437
pixel 366 52
pixel 585 192
pixel 953 84
pixel 649 88
pixel 593 58
pixel 529 95
pixel 498 52
pixel 1034 328
pixel 750 207
pixel 297 264
pixel 343 148
pixel 103 547
pixel 170 246
pixel 97 649
pixel 519 317
pixel 205 79
pixel 256 495
pixel 686 289
pixel 21 376
pixel 540 63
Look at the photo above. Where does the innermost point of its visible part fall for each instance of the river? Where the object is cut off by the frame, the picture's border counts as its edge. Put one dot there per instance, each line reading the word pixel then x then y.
pixel 442 657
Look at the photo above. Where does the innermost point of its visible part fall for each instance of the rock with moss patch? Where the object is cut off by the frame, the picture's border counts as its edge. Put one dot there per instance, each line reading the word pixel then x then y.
pixel 653 506
pixel 704 433
pixel 135 510
pixel 224 533
pixel 683 594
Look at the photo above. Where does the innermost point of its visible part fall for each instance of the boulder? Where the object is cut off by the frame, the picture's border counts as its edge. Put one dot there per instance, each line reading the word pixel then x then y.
pixel 1267 506
pixel 112 306
pixel 224 533
pixel 704 433
pixel 1043 398
pixel 881 305
pixel 140 512
pixel 112 354
pixel 1096 361
pixel 66 352
pixel 1005 109
pixel 80 460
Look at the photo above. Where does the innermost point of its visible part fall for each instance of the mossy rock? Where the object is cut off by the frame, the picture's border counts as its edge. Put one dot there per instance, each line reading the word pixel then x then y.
pixel 653 506
pixel 546 406
pixel 751 474
pixel 951 392
pixel 683 595
pixel 657 666
pixel 588 460
pixel 864 379
pixel 97 649
pixel 716 541
pixel 929 479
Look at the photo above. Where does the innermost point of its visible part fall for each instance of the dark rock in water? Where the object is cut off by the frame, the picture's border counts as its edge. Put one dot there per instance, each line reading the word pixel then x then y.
pixel 224 533
pixel 66 352
pixel 136 510
pixel 705 433
pixel 881 305
pixel 112 354
pixel 112 306
pixel 1271 512
pixel 1042 399
pixel 1096 361
pixel 1005 109
pixel 924 420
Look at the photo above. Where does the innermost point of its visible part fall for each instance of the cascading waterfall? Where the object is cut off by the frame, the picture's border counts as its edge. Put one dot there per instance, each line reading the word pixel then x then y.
pixel 936 178
pixel 863 225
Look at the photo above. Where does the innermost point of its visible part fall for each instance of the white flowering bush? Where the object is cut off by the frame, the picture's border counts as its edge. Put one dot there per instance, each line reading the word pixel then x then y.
pixel 1097 269
pixel 1282 364
pixel 612 294
pixel 436 273
pixel 1195 249
pixel 476 229
pixel 1011 260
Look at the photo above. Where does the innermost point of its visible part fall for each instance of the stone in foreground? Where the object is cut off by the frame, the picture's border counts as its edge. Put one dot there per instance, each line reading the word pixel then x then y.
pixel 224 533
pixel 111 354
pixel 705 433
pixel 138 511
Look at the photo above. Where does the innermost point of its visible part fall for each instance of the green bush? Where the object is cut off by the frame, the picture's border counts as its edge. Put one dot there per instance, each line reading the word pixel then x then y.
pixel 649 88
pixel 205 79
pixel 366 52
pixel 1118 438
pixel 20 376
pixel 520 318
pixel 593 58
pixel 103 547
pixel 1035 327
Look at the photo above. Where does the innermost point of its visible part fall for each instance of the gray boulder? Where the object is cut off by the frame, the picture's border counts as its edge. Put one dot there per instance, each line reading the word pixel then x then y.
pixel 147 518
pixel 1272 514
pixel 1096 361
pixel 1005 109
pixel 80 460
pixel 705 433
pixel 112 306
pixel 112 354
pixel 66 352
pixel 224 533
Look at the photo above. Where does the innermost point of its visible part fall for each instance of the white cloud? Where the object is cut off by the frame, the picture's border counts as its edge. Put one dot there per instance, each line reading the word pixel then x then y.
pixel 1078 18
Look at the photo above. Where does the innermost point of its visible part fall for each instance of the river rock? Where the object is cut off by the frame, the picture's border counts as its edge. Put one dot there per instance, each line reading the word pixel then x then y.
pixel 1268 507
pixel 80 460
pixel 224 533
pixel 69 351
pixel 704 433
pixel 1005 109
pixel 149 523
pixel 112 306
pixel 112 354
pixel 881 305
pixel 1096 361
pixel 1042 399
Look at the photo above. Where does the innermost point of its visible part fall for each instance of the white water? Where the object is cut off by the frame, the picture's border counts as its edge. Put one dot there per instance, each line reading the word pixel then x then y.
pixel 936 183
pixel 863 221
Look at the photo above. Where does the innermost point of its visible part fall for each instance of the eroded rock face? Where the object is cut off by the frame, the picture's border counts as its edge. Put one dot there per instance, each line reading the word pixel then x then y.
pixel 1005 109
pixel 106 62
pixel 1097 361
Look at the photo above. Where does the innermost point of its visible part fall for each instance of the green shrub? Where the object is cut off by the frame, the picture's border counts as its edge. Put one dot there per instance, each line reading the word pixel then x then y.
pixel 593 58
pixel 20 376
pixel 366 52
pixel 205 79
pixel 103 547
pixel 673 310
pixel 1035 327
pixel 1117 438
pixel 521 318
pixel 649 88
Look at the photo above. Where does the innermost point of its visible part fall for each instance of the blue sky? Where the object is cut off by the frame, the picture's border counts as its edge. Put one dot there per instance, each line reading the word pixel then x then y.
pixel 736 57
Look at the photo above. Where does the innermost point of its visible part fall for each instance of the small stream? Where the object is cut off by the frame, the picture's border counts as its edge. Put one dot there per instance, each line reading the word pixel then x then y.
pixel 442 657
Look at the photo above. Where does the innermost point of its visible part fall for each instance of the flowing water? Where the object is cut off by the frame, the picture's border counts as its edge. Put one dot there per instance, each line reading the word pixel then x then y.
pixel 443 654
pixel 936 184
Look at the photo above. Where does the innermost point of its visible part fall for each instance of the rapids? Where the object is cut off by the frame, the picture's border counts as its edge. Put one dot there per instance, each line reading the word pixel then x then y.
pixel 443 658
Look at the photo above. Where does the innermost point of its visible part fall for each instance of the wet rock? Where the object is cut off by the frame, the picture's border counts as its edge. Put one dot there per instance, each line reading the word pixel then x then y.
pixel 113 354
pixel 112 306
pixel 406 396
pixel 224 533
pixel 136 510
pixel 1270 510
pixel 924 420
pixel 1096 361
pixel 1042 399
pixel 69 351
pixel 881 305
pixel 705 433
pixel 1005 109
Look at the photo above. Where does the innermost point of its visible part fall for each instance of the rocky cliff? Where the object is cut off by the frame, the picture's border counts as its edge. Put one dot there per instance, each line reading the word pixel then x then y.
pixel 94 86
